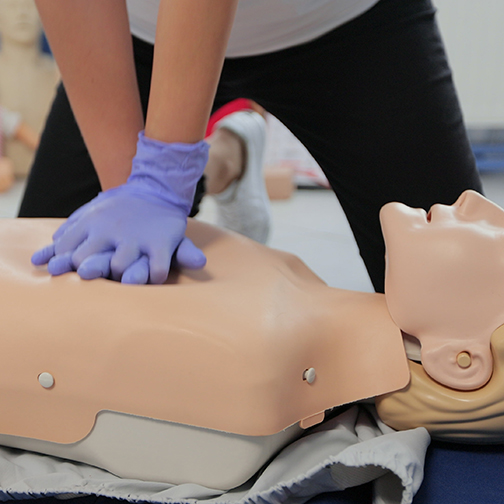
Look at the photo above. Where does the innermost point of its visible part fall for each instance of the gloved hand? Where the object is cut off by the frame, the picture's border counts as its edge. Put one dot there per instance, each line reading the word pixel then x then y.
pixel 131 232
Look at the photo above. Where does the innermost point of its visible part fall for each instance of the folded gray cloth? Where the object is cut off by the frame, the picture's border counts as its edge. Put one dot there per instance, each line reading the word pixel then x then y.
pixel 350 449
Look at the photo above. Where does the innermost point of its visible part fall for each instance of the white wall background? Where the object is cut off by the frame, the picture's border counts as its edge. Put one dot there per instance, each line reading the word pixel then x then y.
pixel 473 32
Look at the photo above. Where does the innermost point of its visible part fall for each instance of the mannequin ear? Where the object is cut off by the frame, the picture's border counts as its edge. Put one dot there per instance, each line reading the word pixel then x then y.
pixel 461 365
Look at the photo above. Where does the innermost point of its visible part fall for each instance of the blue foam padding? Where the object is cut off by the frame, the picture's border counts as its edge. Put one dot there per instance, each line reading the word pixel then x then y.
pixel 463 474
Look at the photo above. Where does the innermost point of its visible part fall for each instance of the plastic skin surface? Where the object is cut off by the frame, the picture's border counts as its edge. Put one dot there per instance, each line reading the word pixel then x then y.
pixel 445 284
pixel 226 347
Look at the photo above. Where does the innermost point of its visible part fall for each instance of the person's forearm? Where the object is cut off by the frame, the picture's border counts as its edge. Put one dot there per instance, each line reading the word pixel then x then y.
pixel 191 40
pixel 91 42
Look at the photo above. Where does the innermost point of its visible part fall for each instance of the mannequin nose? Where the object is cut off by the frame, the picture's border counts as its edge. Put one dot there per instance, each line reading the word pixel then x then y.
pixel 470 198
pixel 472 206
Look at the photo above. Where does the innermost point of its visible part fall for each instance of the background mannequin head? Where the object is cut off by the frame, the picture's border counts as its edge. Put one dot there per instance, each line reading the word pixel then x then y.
pixel 445 283
pixel 19 22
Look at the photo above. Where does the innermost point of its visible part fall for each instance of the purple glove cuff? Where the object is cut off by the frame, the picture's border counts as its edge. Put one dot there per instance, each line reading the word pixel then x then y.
pixel 168 170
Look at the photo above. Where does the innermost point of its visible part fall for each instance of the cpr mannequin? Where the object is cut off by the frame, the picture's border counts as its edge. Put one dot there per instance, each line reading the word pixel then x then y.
pixel 200 380
pixel 28 77
pixel 203 379
pixel 445 286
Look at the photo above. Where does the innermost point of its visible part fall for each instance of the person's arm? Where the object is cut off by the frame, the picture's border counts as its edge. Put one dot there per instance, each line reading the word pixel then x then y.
pixel 92 45
pixel 91 42
pixel 132 232
pixel 191 40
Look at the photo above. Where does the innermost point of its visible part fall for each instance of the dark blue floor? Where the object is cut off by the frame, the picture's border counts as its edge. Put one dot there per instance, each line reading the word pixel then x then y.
pixel 454 474
pixel 463 474
pixel 358 495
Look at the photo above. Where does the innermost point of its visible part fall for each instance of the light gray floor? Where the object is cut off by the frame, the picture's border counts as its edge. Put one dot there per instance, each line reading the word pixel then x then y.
pixel 311 225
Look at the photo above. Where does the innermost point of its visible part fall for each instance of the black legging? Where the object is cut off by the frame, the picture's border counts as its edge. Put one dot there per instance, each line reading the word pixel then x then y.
pixel 373 101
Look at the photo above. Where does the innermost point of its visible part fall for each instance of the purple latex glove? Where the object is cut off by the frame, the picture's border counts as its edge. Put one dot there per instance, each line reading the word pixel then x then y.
pixel 131 232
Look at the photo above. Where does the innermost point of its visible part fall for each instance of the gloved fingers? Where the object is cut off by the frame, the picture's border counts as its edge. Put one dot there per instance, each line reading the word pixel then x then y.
pixel 61 263
pixel 43 255
pixel 95 266
pixel 61 230
pixel 159 265
pixel 71 239
pixel 125 255
pixel 89 247
pixel 138 272
pixel 189 256
pixel 70 220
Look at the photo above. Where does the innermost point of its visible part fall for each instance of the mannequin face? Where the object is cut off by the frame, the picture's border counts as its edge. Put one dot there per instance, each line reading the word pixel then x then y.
pixel 19 22
pixel 445 283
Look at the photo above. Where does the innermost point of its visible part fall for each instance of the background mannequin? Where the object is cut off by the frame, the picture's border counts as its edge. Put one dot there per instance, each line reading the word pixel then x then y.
pixel 28 77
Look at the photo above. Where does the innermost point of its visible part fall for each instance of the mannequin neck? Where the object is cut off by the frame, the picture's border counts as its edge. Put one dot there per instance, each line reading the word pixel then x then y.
pixel 363 346
pixel 353 311
pixel 15 54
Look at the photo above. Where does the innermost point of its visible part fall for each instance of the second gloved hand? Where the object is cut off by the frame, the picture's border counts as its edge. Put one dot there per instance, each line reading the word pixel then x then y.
pixel 131 232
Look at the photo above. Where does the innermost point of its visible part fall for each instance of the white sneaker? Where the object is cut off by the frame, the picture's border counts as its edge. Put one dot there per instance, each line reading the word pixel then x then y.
pixel 244 206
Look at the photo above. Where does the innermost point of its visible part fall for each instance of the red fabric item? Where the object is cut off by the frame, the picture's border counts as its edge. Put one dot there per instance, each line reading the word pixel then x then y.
pixel 229 108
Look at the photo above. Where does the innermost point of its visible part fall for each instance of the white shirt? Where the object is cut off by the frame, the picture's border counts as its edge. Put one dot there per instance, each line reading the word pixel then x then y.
pixel 263 26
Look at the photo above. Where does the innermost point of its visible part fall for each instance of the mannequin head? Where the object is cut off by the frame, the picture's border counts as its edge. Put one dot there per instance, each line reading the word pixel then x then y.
pixel 445 283
pixel 19 22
